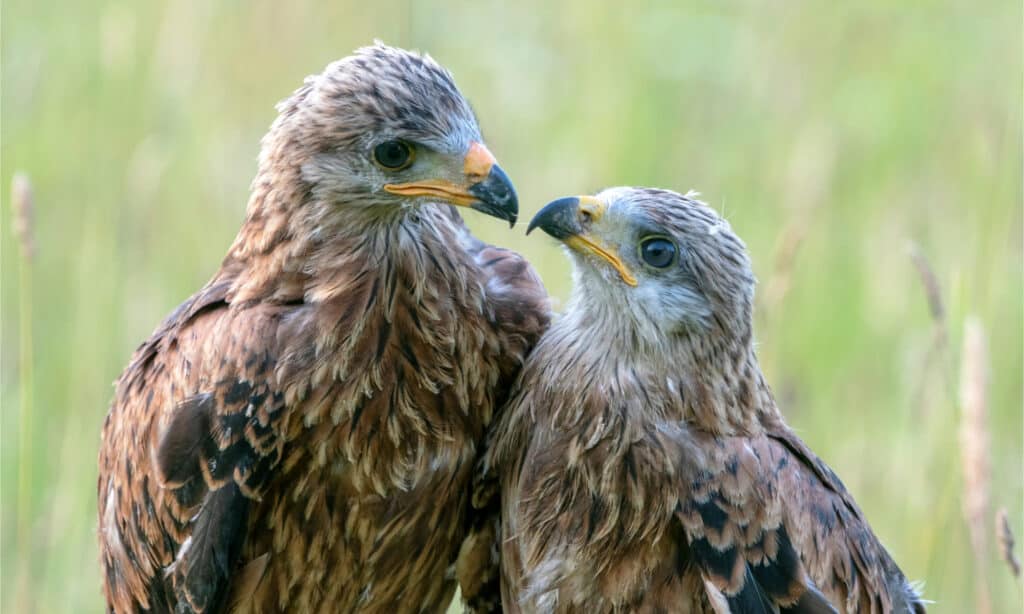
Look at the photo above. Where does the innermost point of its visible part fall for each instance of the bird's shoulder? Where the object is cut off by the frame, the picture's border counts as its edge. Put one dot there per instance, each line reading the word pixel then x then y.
pixel 510 278
pixel 193 437
pixel 515 302
pixel 769 521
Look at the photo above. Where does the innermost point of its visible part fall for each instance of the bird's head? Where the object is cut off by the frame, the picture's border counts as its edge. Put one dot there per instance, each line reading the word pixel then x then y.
pixel 383 131
pixel 660 264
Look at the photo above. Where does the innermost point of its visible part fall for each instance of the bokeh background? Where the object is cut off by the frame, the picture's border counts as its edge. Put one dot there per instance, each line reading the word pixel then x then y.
pixel 869 153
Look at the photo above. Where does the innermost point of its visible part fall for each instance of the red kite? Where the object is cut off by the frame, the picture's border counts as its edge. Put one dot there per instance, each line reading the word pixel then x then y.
pixel 644 465
pixel 300 434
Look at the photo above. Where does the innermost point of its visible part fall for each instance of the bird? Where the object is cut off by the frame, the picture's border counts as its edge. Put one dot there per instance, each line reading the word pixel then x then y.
pixel 642 463
pixel 300 435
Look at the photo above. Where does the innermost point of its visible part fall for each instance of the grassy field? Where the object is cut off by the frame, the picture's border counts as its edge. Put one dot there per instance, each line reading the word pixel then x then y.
pixel 859 149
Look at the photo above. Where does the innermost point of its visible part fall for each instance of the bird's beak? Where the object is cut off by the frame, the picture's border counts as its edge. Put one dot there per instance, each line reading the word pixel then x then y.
pixel 485 188
pixel 569 220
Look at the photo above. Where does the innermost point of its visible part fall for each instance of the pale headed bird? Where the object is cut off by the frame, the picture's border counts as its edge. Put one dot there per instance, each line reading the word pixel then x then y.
pixel 300 434
pixel 642 463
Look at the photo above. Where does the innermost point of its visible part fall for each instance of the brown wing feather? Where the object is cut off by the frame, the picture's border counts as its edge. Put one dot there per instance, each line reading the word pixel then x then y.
pixel 826 509
pixel 773 529
pixel 180 503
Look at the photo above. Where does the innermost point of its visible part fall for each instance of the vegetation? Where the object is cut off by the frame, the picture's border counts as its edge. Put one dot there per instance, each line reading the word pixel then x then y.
pixel 869 153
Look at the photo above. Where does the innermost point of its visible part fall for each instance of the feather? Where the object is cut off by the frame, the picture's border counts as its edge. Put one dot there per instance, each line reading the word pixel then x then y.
pixel 245 581
pixel 811 602
pixel 202 572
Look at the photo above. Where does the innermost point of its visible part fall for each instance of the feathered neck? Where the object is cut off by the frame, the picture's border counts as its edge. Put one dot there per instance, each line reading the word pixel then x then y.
pixel 720 383
pixel 700 377
pixel 314 252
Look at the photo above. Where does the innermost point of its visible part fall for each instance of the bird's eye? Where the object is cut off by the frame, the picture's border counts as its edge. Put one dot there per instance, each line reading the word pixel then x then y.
pixel 658 252
pixel 393 155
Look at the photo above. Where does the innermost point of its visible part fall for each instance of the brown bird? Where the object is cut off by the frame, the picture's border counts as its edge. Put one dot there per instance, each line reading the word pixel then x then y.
pixel 300 435
pixel 643 463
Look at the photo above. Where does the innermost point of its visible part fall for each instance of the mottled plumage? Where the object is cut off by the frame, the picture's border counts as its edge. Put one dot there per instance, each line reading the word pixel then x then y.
pixel 642 463
pixel 300 434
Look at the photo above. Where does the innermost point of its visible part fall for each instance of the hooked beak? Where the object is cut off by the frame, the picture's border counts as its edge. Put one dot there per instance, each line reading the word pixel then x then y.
pixel 485 188
pixel 569 220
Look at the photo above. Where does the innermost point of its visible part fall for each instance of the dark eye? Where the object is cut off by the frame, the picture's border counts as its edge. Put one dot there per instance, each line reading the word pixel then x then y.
pixel 658 252
pixel 393 155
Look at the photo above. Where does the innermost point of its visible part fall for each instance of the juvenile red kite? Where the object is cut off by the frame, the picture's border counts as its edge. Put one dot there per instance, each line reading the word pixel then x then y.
pixel 299 435
pixel 643 463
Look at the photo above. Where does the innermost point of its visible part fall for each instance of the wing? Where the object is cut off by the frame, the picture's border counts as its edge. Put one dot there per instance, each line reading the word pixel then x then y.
pixel 519 309
pixel 773 530
pixel 189 445
pixel 860 568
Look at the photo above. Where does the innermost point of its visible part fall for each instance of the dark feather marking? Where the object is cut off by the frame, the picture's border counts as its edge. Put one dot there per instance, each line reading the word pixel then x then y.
pixel 407 352
pixel 715 562
pixel 354 420
pixel 596 514
pixel 382 338
pixel 712 515
pixel 158 600
pixel 202 580
pixel 177 455
pixel 630 463
pixel 190 493
pixel 780 575
pixel 750 599
pixel 233 423
pixel 238 392
pixel 223 465
pixel 257 399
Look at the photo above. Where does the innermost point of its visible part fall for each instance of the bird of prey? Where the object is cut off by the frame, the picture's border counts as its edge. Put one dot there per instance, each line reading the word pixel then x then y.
pixel 300 434
pixel 642 462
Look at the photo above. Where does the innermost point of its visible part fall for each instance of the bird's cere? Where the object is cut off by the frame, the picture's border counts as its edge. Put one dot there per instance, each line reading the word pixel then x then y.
pixel 478 162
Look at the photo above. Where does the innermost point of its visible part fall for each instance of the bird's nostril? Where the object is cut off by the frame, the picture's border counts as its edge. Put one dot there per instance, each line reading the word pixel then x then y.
pixel 585 217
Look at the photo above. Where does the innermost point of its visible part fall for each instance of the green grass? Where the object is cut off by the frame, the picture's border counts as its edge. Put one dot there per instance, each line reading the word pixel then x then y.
pixel 848 131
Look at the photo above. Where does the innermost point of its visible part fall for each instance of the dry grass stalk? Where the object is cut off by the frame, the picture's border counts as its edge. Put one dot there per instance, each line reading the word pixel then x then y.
pixel 974 445
pixel 937 350
pixel 931 284
pixel 1004 535
pixel 23 212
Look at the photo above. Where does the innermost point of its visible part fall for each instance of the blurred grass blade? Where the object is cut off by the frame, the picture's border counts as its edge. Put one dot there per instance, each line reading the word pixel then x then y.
pixel 974 450
pixel 22 209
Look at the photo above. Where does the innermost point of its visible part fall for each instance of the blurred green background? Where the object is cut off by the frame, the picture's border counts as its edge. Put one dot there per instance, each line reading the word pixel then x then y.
pixel 834 137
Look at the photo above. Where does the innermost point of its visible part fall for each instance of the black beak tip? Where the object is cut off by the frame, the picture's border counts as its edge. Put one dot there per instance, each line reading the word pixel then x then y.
pixel 557 218
pixel 497 196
